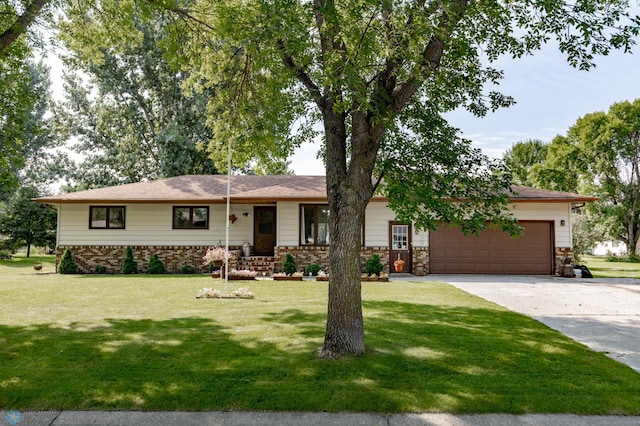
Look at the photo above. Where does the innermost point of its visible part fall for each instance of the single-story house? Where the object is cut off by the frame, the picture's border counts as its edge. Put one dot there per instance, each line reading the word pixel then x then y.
pixel 179 218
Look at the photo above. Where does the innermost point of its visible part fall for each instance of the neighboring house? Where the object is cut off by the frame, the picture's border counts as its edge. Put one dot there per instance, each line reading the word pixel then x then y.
pixel 610 248
pixel 179 218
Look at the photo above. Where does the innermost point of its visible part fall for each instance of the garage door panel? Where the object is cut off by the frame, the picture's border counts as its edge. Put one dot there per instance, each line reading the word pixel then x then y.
pixel 492 251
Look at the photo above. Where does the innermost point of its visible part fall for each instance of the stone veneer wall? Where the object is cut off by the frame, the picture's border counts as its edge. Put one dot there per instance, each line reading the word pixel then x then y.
pixel 174 257
pixel 112 257
pixel 420 259
pixel 306 255
pixel 561 254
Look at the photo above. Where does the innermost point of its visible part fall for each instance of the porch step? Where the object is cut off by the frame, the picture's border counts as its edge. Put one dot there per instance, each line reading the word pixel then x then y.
pixel 261 264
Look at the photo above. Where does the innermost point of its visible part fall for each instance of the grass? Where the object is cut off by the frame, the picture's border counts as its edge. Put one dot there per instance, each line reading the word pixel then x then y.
pixel 146 343
pixel 600 268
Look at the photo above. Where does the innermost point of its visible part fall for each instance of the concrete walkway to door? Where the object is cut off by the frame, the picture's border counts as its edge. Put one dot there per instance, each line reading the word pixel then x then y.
pixel 601 313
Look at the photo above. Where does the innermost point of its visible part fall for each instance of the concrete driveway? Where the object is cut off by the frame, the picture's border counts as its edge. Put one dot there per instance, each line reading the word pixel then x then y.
pixel 601 313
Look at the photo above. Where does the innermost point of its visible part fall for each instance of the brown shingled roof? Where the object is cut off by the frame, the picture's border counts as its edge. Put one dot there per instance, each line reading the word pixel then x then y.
pixel 212 189
pixel 526 194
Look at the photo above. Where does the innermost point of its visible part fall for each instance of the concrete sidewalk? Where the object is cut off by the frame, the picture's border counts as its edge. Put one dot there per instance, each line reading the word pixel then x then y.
pixel 137 418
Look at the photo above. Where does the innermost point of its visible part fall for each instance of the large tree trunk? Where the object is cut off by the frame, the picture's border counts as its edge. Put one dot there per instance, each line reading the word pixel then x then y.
pixel 345 328
pixel 349 191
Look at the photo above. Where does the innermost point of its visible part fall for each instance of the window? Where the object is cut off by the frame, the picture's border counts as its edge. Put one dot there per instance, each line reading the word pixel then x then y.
pixel 400 237
pixel 106 217
pixel 190 217
pixel 314 224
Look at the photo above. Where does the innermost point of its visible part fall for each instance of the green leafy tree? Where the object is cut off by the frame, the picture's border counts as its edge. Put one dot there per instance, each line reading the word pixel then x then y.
pixel 375 77
pixel 28 223
pixel 609 144
pixel 563 167
pixel 522 156
pixel 25 127
pixel 586 231
pixel 142 125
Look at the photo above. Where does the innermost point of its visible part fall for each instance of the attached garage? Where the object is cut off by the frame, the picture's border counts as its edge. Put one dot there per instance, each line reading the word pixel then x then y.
pixel 493 251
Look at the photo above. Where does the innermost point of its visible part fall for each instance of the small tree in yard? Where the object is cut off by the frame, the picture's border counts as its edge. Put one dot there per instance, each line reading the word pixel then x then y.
pixel 67 264
pixel 289 265
pixel 129 266
pixel 374 265
pixel 155 265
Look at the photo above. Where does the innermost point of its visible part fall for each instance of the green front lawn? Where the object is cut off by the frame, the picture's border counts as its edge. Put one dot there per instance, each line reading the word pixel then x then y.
pixel 146 343
pixel 600 268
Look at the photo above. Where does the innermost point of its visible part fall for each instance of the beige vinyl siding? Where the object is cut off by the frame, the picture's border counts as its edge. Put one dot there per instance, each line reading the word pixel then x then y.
pixel 151 224
pixel 532 211
pixel 288 224
pixel 548 212
pixel 376 224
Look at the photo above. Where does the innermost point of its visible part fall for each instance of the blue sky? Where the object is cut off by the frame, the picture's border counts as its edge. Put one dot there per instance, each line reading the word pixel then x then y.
pixel 550 96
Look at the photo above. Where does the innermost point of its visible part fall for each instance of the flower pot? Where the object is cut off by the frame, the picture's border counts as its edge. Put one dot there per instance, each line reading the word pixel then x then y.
pixel 399 266
pixel 287 278
pixel 37 267
pixel 240 278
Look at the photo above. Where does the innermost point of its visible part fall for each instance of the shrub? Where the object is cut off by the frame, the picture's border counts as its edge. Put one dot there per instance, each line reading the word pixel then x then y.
pixel 100 269
pixel 67 264
pixel 187 269
pixel 155 265
pixel 289 264
pixel 374 265
pixel 313 269
pixel 634 258
pixel 4 254
pixel 129 266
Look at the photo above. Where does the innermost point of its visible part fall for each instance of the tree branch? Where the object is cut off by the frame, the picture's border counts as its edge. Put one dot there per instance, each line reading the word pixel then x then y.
pixel 301 75
pixel 21 24
pixel 431 58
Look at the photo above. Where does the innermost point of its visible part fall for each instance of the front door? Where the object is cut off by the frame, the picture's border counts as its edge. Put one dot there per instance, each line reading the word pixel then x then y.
pixel 400 245
pixel 264 230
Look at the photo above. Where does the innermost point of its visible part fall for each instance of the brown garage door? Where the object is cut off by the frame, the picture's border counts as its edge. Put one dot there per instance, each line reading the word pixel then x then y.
pixel 492 252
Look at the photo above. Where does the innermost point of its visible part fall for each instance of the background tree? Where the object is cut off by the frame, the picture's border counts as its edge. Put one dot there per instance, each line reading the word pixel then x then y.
pixel 133 121
pixel 376 76
pixel 587 230
pixel 28 223
pixel 563 167
pixel 610 153
pixel 522 156
pixel 25 127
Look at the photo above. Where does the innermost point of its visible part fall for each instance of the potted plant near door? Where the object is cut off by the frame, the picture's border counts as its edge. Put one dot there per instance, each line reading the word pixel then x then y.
pixel 398 264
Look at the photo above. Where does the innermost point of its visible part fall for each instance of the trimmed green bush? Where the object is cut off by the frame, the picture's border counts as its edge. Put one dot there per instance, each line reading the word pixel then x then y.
pixel 289 264
pixel 100 269
pixel 155 265
pixel 374 266
pixel 129 266
pixel 187 269
pixel 67 264
pixel 4 254
pixel 313 269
